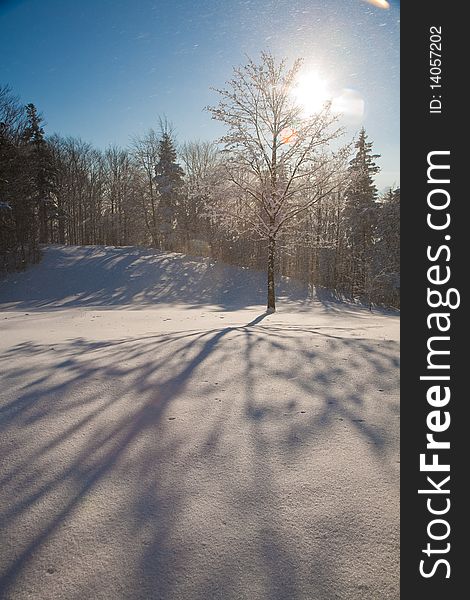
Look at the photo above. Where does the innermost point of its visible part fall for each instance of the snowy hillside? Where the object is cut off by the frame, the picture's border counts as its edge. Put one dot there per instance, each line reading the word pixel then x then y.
pixel 87 276
pixel 162 438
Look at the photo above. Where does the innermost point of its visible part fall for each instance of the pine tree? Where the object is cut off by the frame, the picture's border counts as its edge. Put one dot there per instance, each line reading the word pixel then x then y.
pixel 8 189
pixel 169 183
pixel 359 214
pixel 17 183
pixel 40 169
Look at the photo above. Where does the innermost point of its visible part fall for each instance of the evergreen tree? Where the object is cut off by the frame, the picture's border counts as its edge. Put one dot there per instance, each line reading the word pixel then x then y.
pixel 40 170
pixel 19 221
pixel 169 183
pixel 315 215
pixel 359 214
pixel 8 184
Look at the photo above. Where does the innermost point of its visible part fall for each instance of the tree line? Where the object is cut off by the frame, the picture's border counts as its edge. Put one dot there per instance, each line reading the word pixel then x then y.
pixel 277 192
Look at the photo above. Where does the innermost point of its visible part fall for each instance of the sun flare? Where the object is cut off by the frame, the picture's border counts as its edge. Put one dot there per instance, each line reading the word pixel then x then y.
pixel 379 3
pixel 311 92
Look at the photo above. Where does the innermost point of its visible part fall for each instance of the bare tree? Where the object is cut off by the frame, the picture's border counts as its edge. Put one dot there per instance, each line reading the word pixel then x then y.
pixel 145 151
pixel 276 157
pixel 200 159
pixel 196 219
pixel 12 113
pixel 119 179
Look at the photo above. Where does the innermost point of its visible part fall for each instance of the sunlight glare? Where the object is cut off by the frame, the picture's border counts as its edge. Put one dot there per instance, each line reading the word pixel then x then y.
pixel 311 93
pixel 288 135
pixel 379 3
pixel 350 104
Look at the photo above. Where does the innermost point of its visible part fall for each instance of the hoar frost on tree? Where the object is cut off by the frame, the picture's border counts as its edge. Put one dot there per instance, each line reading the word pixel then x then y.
pixel 202 181
pixel 278 160
pixel 321 218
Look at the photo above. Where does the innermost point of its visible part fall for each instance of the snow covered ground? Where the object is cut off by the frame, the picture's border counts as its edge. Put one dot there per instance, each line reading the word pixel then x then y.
pixel 161 438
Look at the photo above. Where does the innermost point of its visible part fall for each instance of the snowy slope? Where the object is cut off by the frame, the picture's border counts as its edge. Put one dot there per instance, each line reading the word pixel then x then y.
pixel 162 438
pixel 72 276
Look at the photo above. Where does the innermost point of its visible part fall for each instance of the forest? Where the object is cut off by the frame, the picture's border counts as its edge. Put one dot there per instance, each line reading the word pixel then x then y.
pixel 279 191
pixel 199 337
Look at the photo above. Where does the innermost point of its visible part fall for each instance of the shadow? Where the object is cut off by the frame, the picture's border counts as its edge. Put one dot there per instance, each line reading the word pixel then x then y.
pixel 258 319
pixel 138 278
pixel 255 461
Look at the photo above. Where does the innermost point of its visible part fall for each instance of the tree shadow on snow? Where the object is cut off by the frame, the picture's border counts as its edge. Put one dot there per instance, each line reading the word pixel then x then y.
pixel 110 278
pixel 178 451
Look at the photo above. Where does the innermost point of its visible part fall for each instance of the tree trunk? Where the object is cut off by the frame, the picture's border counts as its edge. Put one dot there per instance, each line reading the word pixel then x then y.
pixel 42 218
pixel 61 229
pixel 271 288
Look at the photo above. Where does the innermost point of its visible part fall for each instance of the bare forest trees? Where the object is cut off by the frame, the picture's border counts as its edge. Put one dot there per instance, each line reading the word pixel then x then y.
pixel 120 206
pixel 197 218
pixel 78 187
pixel 144 152
pixel 277 192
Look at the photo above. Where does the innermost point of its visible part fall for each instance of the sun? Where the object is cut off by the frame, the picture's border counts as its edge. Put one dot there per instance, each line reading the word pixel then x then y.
pixel 310 91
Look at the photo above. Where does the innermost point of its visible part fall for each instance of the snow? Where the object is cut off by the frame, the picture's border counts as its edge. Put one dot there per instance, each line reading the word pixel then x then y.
pixel 163 438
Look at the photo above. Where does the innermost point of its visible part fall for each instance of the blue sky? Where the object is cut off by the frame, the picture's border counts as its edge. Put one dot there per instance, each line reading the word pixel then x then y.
pixel 105 69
